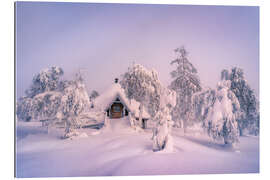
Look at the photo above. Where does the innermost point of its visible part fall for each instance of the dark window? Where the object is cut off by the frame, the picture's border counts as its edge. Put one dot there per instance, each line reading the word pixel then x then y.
pixel 116 109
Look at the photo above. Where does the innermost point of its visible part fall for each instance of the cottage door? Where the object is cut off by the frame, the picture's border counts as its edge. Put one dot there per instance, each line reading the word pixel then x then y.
pixel 116 110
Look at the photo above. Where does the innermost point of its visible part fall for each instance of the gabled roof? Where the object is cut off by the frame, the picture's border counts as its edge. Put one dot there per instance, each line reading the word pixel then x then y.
pixel 105 100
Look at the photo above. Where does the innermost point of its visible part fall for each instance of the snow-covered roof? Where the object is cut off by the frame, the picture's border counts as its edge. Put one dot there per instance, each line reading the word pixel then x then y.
pixel 106 99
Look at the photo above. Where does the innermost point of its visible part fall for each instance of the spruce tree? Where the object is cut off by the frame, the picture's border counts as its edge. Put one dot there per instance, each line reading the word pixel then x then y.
pixel 185 82
pixel 249 121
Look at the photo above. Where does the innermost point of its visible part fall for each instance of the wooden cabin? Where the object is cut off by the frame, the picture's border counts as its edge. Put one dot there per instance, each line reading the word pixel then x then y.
pixel 116 104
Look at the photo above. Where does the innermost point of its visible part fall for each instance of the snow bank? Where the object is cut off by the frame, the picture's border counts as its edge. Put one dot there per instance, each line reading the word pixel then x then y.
pixel 123 152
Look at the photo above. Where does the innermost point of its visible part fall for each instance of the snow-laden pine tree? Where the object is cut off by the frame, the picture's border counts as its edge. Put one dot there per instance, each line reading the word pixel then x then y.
pixel 249 121
pixel 162 139
pixel 221 120
pixel 74 103
pixel 185 83
pixel 144 86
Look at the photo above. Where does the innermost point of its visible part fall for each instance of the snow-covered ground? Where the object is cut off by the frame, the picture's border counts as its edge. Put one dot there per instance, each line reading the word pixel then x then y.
pixel 119 150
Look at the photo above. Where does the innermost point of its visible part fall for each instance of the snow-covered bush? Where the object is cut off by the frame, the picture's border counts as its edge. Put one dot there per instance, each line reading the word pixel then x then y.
pixel 143 86
pixel 185 82
pixel 249 121
pixel 221 119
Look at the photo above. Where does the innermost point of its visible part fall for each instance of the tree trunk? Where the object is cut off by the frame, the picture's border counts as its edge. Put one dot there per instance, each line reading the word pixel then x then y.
pixel 240 132
pixel 48 128
pixel 140 114
pixel 184 126
pixel 227 142
pixel 130 119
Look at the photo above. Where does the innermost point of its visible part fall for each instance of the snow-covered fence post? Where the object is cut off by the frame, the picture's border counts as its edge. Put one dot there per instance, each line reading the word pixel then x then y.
pixel 48 127
pixel 131 119
pixel 140 114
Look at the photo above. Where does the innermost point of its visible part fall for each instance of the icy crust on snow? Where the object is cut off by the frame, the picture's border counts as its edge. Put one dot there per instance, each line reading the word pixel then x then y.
pixel 105 100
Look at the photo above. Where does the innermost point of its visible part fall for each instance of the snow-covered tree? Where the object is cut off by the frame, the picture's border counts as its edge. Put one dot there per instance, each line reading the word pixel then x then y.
pixel 94 94
pixel 42 100
pixel 42 107
pixel 143 86
pixel 249 121
pixel 162 139
pixel 221 120
pixel 24 109
pixel 45 80
pixel 74 102
pixel 55 101
pixel 202 102
pixel 185 82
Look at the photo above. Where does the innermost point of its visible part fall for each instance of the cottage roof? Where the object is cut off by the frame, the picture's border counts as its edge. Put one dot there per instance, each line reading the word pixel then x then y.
pixel 105 100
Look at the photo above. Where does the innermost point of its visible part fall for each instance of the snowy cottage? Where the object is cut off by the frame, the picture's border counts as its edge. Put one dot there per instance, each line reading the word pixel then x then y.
pixel 116 104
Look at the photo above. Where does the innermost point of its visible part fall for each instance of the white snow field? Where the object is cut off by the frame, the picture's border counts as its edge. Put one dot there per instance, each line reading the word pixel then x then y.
pixel 119 150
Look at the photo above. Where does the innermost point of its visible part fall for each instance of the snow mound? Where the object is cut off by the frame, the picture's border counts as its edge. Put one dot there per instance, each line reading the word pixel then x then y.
pixel 120 125
pixel 119 153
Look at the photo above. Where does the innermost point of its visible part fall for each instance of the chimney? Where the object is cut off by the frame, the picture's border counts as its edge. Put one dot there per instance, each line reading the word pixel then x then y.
pixel 116 80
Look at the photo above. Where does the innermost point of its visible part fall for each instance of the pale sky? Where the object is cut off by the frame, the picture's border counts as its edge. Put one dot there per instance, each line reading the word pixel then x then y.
pixel 104 39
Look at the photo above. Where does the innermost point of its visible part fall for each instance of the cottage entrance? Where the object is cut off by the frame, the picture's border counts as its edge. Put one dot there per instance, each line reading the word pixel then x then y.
pixel 117 110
